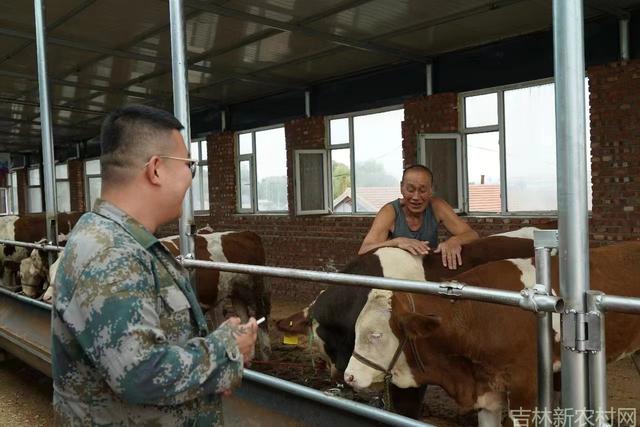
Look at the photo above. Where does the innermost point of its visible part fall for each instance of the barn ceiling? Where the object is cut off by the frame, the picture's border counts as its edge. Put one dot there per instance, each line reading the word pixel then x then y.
pixel 106 53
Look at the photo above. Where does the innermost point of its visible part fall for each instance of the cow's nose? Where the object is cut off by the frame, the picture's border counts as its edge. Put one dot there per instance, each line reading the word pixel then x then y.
pixel 349 379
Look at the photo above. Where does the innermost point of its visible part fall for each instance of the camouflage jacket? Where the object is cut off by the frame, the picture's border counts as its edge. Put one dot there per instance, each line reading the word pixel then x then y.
pixel 130 343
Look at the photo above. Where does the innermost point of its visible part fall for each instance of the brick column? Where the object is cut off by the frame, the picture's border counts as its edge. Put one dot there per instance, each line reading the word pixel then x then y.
pixel 222 175
pixel 76 185
pixel 306 133
pixel 615 151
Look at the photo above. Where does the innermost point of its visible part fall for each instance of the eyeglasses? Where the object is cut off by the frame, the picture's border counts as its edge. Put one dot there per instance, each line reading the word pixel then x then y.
pixel 191 163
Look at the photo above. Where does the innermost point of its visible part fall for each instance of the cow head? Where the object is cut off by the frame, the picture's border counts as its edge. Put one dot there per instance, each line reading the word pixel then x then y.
pixel 377 342
pixel 33 273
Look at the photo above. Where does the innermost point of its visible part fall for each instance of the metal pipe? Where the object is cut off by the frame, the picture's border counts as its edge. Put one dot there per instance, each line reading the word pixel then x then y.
pixel 619 304
pixel 44 247
pixel 51 206
pixel 568 38
pixel 429 77
pixel 25 299
pixel 307 103
pixel 181 111
pixel 223 120
pixel 360 409
pixel 598 364
pixel 624 39
pixel 446 289
pixel 545 339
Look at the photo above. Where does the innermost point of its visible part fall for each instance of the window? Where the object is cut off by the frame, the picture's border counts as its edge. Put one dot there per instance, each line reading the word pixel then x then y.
pixel 262 171
pixel 93 181
pixel 510 141
pixel 4 201
pixel 200 185
pixel 442 153
pixel 63 189
pixel 366 160
pixel 34 191
pixel 13 188
pixel 312 189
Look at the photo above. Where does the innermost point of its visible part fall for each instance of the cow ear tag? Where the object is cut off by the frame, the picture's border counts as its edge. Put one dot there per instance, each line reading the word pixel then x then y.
pixel 290 339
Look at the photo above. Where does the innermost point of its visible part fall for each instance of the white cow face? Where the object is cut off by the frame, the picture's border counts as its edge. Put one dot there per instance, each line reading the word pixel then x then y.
pixel 376 342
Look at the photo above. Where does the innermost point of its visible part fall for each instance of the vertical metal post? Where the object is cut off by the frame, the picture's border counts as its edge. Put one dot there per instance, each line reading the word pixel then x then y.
pixel 50 198
pixel 307 103
pixel 429 77
pixel 573 255
pixel 181 111
pixel 543 241
pixel 624 39
pixel 223 120
pixel 598 364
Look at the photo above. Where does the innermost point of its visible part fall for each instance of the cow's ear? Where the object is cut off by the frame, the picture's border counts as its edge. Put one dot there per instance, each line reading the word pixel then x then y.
pixel 417 325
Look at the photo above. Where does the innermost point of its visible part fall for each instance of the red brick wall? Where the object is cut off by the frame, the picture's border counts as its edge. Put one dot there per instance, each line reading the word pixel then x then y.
pixel 428 114
pixel 76 185
pixel 615 149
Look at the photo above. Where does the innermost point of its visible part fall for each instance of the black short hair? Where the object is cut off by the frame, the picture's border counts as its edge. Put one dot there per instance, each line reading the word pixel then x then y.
pixel 131 133
pixel 417 167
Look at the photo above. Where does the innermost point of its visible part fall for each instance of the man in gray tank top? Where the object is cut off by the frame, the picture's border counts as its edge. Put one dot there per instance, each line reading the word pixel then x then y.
pixel 411 223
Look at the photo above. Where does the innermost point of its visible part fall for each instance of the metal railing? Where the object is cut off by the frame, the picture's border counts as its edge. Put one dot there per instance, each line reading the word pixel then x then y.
pixel 525 300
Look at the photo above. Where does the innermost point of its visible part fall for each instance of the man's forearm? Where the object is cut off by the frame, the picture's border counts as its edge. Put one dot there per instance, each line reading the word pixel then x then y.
pixel 466 237
pixel 368 247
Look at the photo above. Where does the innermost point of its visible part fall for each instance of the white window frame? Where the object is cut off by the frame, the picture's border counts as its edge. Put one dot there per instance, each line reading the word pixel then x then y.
pixel 352 159
pixel 39 186
pixel 5 193
pixel 201 142
pixel 13 187
pixel 253 172
pixel 298 186
pixel 500 128
pixel 423 139
pixel 87 195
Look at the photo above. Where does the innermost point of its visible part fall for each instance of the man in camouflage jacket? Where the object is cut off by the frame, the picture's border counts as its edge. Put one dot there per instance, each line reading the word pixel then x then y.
pixel 130 342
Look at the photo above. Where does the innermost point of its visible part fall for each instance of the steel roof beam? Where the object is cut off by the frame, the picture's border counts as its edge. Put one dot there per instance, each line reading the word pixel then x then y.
pixel 53 106
pixel 69 15
pixel 606 6
pixel 429 23
pixel 367 46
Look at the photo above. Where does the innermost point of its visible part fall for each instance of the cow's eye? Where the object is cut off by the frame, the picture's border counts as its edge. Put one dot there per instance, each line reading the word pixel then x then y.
pixel 375 336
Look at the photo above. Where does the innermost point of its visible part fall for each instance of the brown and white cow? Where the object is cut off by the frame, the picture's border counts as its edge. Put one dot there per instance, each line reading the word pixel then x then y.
pixel 223 293
pixel 483 355
pixel 331 318
pixel 26 228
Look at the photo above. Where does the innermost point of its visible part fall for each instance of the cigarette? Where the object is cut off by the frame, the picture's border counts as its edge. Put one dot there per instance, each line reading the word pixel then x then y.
pixel 260 320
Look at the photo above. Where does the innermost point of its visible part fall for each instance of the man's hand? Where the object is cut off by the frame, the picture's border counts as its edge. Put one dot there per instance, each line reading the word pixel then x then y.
pixel 451 253
pixel 245 335
pixel 413 246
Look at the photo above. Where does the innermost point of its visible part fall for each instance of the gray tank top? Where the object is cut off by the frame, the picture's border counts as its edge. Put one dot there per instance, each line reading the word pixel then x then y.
pixel 428 231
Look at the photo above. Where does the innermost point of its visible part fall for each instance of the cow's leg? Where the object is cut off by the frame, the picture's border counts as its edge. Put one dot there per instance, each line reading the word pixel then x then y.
pixel 240 309
pixel 490 405
pixel 408 401
pixel 263 343
pixel 217 314
pixel 487 418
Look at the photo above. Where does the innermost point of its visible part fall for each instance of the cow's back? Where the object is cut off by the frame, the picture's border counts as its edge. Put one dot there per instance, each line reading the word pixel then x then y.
pixel 476 253
pixel 615 270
